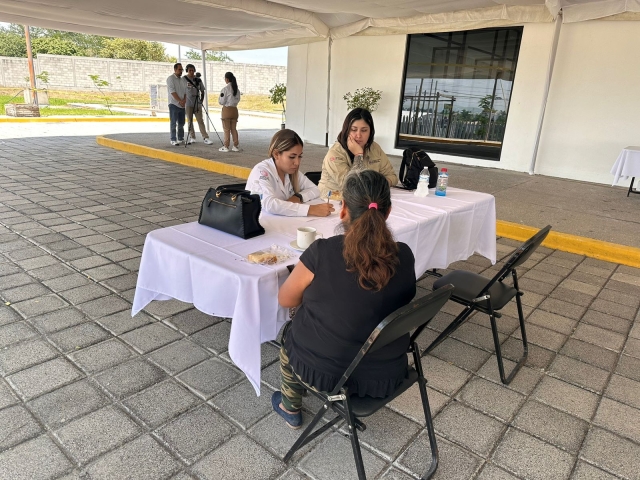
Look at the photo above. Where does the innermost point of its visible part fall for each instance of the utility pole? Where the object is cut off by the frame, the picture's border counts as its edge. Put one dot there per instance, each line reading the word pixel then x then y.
pixel 32 73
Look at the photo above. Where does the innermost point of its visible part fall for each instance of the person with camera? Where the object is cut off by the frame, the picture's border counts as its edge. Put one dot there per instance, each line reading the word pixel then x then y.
pixel 177 89
pixel 195 96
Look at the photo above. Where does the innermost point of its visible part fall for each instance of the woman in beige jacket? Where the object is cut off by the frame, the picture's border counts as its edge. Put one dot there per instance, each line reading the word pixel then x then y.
pixel 354 149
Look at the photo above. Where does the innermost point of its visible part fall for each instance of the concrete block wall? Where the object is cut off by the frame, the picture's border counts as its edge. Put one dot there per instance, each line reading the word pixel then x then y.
pixel 71 73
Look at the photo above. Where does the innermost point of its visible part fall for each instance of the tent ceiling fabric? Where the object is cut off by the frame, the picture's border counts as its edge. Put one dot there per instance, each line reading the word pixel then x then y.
pixel 247 24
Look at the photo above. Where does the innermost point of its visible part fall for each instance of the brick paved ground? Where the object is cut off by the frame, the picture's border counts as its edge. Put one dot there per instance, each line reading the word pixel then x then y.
pixel 87 392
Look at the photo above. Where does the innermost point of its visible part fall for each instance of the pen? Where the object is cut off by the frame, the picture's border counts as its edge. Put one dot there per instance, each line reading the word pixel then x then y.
pixel 328 195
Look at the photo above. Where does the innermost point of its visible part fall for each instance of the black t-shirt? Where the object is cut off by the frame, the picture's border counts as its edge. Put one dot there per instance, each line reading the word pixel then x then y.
pixel 337 316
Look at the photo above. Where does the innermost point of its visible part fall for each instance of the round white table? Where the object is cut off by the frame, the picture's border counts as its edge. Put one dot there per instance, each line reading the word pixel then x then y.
pixel 627 165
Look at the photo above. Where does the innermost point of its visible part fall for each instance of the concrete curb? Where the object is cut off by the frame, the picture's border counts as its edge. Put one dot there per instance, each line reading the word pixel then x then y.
pixel 81 119
pixel 175 157
pixel 589 247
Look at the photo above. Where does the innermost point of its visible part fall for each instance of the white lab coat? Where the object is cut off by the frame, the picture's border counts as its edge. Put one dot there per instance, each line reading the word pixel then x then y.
pixel 264 180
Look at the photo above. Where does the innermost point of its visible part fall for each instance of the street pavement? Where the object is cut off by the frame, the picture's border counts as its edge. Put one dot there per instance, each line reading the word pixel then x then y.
pixel 87 392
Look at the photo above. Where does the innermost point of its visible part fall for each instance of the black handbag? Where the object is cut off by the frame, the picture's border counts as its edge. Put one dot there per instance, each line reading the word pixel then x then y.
pixel 232 210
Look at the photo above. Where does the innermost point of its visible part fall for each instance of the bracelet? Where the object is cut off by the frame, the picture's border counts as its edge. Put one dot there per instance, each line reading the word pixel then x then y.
pixel 299 197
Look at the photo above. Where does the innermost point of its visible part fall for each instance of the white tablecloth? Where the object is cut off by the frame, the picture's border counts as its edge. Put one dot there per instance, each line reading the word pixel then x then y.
pixel 627 165
pixel 206 267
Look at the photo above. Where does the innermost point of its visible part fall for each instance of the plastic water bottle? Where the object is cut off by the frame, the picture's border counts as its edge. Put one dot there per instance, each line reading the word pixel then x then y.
pixel 443 180
pixel 422 190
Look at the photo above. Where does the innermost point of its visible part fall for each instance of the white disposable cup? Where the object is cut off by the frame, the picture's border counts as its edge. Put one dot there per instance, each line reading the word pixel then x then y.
pixel 306 236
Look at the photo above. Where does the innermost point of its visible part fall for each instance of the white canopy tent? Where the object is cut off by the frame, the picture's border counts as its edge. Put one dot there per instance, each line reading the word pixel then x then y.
pixel 249 24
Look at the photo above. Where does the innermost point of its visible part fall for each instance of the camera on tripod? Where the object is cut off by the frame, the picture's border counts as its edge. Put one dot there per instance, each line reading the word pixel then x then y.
pixel 199 103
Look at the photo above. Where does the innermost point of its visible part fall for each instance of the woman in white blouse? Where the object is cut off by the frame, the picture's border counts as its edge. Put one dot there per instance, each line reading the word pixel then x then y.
pixel 284 188
pixel 229 99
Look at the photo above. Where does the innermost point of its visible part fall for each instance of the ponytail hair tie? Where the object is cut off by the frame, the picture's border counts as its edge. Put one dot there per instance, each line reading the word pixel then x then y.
pixel 373 205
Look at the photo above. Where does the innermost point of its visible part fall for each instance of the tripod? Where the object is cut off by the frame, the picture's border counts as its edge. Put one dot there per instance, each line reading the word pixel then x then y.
pixel 199 104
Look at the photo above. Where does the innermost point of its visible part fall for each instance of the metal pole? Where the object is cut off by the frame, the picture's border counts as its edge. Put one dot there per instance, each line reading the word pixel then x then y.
pixel 32 73
pixel 326 133
pixel 435 112
pixel 415 118
pixel 552 61
pixel 206 85
pixel 493 99
pixel 179 54
pixel 425 124
pixel 453 99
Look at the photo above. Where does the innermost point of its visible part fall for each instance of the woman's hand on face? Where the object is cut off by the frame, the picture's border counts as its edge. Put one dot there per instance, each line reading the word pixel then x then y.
pixel 294 199
pixel 353 146
pixel 320 210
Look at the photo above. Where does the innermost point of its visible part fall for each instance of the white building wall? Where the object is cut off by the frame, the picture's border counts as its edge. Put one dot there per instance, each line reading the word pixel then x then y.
pixel 592 111
pixel 594 102
pixel 307 90
pixel 375 62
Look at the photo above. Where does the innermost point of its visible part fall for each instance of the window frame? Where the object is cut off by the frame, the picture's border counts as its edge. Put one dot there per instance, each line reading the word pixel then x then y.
pixel 459 149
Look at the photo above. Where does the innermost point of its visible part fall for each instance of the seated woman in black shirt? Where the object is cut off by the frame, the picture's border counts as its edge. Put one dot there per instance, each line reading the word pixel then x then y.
pixel 345 285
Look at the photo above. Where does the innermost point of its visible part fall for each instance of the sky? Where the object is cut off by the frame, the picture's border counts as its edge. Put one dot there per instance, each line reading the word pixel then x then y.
pixel 266 56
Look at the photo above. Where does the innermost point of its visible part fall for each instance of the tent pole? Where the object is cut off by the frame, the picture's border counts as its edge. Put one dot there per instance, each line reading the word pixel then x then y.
pixel 552 61
pixel 206 85
pixel 326 132
pixel 32 73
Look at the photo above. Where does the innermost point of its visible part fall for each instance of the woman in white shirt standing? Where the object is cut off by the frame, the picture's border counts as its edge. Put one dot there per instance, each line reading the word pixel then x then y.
pixel 284 188
pixel 229 99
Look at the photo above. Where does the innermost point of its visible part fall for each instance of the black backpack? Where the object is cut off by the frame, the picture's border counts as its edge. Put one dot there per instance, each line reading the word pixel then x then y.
pixel 414 161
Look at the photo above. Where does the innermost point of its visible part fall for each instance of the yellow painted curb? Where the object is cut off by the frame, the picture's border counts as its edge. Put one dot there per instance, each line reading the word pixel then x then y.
pixel 174 157
pixel 610 252
pixel 81 119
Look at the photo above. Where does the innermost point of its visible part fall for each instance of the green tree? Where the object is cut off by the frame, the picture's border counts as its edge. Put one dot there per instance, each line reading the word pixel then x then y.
pixel 212 56
pixel 90 45
pixel 12 44
pixel 278 95
pixel 56 46
pixel 465 115
pixel 101 85
pixel 57 42
pixel 130 49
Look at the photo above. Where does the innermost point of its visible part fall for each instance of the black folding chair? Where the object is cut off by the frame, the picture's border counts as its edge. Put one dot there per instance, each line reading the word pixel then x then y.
pixel 413 317
pixel 478 293
pixel 239 186
pixel 314 176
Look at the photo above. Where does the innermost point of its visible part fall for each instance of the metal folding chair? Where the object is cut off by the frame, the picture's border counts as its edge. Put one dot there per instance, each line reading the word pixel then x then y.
pixel 478 293
pixel 412 317
pixel 314 176
pixel 239 186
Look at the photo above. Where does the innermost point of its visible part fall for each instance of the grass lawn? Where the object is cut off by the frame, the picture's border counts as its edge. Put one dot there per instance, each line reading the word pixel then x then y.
pixel 59 101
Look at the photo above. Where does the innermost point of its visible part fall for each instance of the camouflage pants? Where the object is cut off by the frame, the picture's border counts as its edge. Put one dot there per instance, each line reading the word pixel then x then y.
pixel 290 388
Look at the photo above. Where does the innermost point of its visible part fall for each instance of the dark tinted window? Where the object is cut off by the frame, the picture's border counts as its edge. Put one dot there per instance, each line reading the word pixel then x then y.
pixel 457 88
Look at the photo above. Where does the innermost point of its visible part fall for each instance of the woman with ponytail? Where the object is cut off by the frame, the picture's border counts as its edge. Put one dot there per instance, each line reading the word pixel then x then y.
pixel 229 99
pixel 344 286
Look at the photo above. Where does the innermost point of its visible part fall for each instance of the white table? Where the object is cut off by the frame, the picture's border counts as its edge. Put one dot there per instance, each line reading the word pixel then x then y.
pixel 627 165
pixel 206 267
